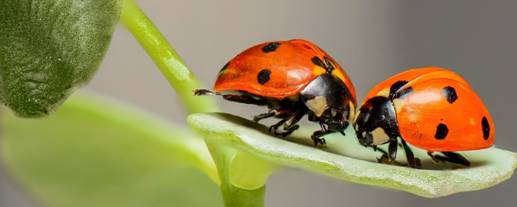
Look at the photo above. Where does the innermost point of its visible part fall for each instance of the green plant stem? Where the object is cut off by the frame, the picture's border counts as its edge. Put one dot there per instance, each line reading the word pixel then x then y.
pixel 184 82
pixel 165 57
pixel 236 197
pixel 233 196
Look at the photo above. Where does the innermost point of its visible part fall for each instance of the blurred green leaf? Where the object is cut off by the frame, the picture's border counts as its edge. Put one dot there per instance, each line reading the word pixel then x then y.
pixel 98 153
pixel 49 47
pixel 490 166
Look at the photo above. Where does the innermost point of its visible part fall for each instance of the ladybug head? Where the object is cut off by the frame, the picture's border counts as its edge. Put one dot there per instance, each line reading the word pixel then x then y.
pixel 376 122
pixel 328 99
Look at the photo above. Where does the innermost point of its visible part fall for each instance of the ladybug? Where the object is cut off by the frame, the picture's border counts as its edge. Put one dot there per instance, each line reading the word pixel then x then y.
pixel 431 108
pixel 292 78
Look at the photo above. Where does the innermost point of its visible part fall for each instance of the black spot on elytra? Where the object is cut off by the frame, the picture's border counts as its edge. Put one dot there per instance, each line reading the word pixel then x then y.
pixel 263 76
pixel 271 47
pixel 224 68
pixel 450 94
pixel 441 131
pixel 396 86
pixel 317 61
pixel 485 127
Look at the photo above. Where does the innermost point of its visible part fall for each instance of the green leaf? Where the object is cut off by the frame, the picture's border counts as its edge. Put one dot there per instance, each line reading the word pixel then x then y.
pixel 93 152
pixel 49 47
pixel 358 165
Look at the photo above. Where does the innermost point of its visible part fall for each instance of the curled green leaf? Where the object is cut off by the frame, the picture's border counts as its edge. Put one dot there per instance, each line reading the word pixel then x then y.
pixel 94 152
pixel 346 160
pixel 48 48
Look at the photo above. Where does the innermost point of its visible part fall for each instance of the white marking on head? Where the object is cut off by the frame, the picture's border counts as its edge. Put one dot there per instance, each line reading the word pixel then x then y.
pixel 318 105
pixel 379 136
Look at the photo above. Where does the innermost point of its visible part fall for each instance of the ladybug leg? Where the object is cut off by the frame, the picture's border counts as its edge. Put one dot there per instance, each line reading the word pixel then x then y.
pixel 342 131
pixel 430 153
pixel 289 130
pixel 327 128
pixel 259 117
pixel 375 149
pixel 290 125
pixel 451 157
pixel 311 117
pixel 337 126
pixel 456 158
pixel 389 157
pixel 392 150
pixel 323 126
pixel 411 159
pixel 284 116
pixel 273 128
pixel 317 137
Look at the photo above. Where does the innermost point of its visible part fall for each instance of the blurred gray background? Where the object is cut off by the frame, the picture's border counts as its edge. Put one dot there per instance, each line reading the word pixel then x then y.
pixel 372 39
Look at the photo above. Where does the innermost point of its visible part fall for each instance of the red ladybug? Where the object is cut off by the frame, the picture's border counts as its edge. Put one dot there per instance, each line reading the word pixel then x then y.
pixel 292 78
pixel 431 108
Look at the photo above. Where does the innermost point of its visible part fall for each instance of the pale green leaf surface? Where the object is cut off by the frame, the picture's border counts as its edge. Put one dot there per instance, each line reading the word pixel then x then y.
pixel 48 48
pixel 345 159
pixel 98 153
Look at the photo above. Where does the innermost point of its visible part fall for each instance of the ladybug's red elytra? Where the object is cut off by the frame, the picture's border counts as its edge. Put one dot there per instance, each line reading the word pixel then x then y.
pixel 292 78
pixel 431 108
